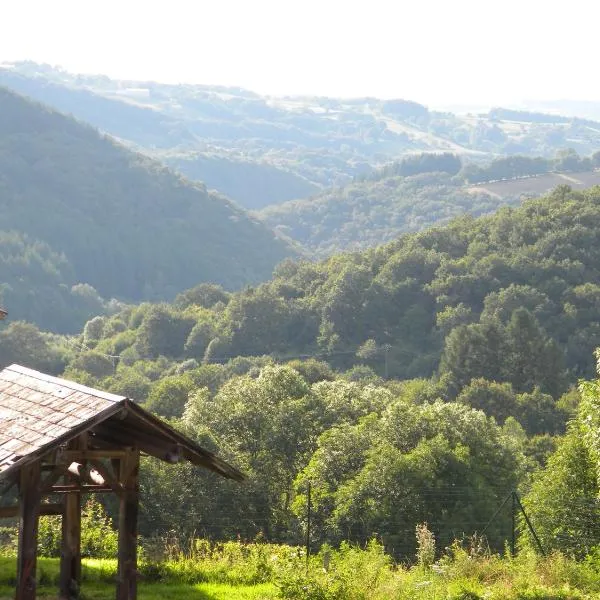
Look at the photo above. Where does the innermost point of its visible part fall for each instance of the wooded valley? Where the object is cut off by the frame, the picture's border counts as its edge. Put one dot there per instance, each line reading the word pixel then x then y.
pixel 393 345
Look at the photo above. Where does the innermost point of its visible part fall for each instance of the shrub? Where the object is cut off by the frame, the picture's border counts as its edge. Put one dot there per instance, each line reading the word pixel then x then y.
pixel 98 537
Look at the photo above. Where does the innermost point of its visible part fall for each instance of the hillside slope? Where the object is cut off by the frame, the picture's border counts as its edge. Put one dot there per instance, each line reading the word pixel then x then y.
pixel 252 184
pixel 367 213
pixel 124 224
pixel 295 145
pixel 420 191
pixel 509 297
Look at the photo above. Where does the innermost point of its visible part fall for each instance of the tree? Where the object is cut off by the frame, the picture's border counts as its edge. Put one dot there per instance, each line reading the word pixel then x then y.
pixel 94 363
pixel 539 413
pixel 474 351
pixel 169 395
pixel 533 358
pixel 163 332
pixel 199 338
pixel 24 344
pixel 393 470
pixel 205 295
pixel 495 399
pixel 563 501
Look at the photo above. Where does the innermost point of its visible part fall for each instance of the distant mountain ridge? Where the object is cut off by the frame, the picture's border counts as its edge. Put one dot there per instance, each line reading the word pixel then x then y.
pixel 115 220
pixel 297 146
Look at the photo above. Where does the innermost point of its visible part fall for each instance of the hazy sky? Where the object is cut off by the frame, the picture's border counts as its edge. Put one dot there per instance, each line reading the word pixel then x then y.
pixel 434 51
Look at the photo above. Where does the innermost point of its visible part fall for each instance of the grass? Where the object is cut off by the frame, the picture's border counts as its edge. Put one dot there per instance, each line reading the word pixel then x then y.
pixel 98 583
pixel 258 571
pixel 157 591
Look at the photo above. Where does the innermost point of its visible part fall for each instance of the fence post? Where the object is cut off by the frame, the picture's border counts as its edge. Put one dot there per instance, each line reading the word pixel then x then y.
pixel 529 525
pixel 308 516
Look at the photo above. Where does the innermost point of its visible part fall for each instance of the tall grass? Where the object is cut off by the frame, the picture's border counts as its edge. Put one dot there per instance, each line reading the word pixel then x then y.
pixel 170 569
pixel 464 572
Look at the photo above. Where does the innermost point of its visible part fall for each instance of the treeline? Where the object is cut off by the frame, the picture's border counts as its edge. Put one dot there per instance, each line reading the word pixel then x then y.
pixel 408 195
pixel 425 162
pixel 511 167
pixel 373 211
pixel 506 167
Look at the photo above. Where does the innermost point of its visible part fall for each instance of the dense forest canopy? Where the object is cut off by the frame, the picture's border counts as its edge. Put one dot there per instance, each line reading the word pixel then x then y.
pixel 420 381
pixel 474 298
pixel 75 208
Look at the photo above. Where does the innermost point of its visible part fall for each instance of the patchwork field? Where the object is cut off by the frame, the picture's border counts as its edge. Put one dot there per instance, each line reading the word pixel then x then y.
pixel 539 185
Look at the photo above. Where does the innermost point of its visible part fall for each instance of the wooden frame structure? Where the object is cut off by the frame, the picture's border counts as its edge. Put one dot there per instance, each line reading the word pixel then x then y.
pixel 60 440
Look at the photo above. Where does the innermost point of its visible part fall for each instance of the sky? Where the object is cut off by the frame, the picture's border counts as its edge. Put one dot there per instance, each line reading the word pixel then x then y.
pixel 439 52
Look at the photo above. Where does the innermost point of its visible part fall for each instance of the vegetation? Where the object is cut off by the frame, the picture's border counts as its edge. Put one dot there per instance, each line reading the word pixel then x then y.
pixel 369 212
pixel 443 380
pixel 252 184
pixel 235 571
pixel 415 193
pixel 476 298
pixel 82 218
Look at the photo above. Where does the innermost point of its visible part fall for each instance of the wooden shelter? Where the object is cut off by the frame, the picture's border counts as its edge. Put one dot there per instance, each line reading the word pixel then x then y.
pixel 3 313
pixel 62 439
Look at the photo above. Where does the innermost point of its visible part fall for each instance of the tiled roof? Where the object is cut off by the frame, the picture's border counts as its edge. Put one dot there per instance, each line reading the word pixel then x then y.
pixel 37 409
pixel 39 413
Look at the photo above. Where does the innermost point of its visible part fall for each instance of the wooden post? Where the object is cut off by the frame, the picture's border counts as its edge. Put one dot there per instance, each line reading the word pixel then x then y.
pixel 29 512
pixel 70 554
pixel 128 516
pixel 70 551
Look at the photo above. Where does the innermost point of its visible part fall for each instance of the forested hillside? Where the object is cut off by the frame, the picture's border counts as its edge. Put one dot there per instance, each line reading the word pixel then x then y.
pixel 75 208
pixel 422 381
pixel 231 138
pixel 471 299
pixel 253 184
pixel 420 191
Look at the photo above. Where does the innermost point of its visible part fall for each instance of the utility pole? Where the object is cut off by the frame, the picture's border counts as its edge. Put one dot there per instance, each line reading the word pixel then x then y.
pixel 386 351
pixel 513 514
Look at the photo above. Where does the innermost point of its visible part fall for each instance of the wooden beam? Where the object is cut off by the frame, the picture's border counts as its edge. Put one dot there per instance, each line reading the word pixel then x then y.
pixel 29 510
pixel 81 455
pixel 128 516
pixel 11 512
pixel 151 448
pixel 108 478
pixel 86 474
pixel 78 489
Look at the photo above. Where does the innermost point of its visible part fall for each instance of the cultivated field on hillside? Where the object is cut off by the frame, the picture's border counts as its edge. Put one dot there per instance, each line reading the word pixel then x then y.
pixel 537 185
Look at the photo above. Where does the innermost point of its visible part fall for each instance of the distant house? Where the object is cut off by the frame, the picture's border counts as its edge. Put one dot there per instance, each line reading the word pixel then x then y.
pixel 3 313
